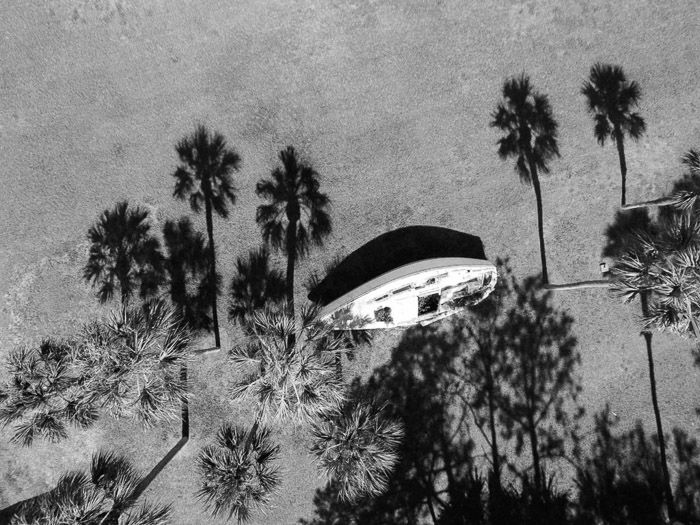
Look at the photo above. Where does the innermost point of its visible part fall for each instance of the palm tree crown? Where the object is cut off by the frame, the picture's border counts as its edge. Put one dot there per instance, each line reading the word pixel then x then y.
pixel 105 494
pixel 204 178
pixel 187 267
pixel 611 97
pixel 204 174
pixel 358 448
pixel 530 131
pixel 296 215
pixel 123 255
pixel 290 372
pixel 132 363
pixel 254 284
pixel 237 472
pixel 45 392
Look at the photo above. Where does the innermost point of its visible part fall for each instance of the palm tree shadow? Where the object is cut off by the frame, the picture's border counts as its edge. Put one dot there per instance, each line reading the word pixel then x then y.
pixel 185 436
pixel 158 468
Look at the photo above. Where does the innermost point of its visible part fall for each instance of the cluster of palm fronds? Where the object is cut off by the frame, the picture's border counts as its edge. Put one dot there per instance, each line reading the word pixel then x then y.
pixel 358 448
pixel 107 494
pixel 237 471
pixel 254 285
pixel 124 256
pixel 289 368
pixel 135 359
pixel 45 392
pixel 664 263
pixel 129 365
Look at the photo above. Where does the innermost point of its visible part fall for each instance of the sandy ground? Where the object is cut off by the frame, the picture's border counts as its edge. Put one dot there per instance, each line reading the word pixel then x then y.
pixel 390 101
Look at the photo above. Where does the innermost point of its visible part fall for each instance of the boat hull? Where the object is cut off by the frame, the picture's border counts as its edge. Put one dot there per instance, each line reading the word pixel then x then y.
pixel 418 293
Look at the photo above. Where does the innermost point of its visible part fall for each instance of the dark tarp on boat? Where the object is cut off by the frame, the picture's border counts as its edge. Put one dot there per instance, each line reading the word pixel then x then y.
pixel 392 250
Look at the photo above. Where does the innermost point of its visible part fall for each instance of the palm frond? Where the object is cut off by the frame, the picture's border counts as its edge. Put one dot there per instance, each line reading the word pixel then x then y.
pixel 287 381
pixel 148 514
pixel 237 473
pixel 357 448
pixel 691 159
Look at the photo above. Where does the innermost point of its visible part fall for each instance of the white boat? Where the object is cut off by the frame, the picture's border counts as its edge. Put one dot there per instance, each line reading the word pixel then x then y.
pixel 415 275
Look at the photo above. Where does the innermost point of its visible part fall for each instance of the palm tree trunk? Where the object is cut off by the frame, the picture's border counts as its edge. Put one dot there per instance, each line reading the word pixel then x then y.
pixel 661 201
pixel 185 412
pixel 580 285
pixel 657 414
pixel 540 227
pixel 291 260
pixel 212 271
pixel 619 140
pixel 124 296
pixel 534 445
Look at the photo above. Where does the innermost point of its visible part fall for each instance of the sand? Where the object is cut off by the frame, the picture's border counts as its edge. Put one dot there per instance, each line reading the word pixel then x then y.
pixel 391 102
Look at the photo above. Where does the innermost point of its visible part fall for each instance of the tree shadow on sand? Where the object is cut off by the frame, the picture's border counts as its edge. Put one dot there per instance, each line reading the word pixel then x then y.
pixel 439 479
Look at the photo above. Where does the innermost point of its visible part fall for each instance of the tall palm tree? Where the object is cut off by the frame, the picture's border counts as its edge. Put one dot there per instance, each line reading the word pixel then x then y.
pixel 611 98
pixel 204 178
pixel 288 371
pixel 106 494
pixel 187 266
pixel 254 285
pixel 237 472
pixel 123 254
pixel 296 215
pixel 530 135
pixel 357 447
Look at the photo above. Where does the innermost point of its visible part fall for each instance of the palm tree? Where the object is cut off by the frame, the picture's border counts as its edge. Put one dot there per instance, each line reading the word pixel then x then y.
pixel 254 285
pixel 131 363
pixel 106 494
pixel 638 263
pixel 44 393
pixel 530 135
pixel 187 266
pixel 296 215
pixel 288 371
pixel 204 178
pixel 610 98
pixel 358 448
pixel 237 473
pixel 123 255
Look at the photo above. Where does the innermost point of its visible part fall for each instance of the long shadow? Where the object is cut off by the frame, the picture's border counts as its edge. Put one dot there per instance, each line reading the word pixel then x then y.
pixel 146 481
pixel 185 436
